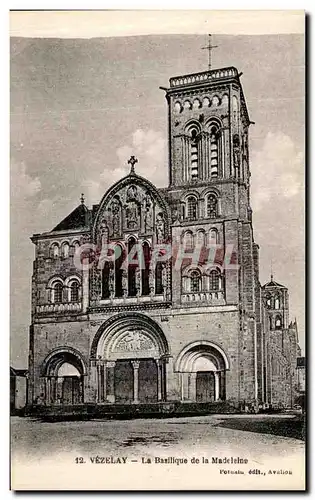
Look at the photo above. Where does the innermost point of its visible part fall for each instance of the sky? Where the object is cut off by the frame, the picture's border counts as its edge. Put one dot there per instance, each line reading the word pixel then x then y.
pixel 81 107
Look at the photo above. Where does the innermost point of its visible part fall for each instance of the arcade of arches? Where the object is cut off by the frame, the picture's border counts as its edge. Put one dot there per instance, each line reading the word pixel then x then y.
pixel 129 365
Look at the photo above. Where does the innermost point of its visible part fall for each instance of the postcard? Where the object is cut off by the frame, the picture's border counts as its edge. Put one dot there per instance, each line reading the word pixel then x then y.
pixel 157 272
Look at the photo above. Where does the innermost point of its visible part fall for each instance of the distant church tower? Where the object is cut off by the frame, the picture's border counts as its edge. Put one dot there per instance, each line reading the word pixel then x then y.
pixel 279 381
pixel 277 303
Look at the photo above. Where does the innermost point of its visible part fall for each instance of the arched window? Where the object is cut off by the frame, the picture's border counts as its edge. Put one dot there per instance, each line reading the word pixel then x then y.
pixel 215 280
pixel 177 107
pixel 132 268
pixel 278 322
pixel 206 102
pixel 188 241
pixel 215 101
pixel 214 152
pixel 119 258
pixel 74 291
pixel 270 322
pixel 213 236
pixel 235 108
pixel 75 246
pixel 195 281
pixel 54 251
pixel 194 154
pixel 277 302
pixel 201 237
pixel 65 250
pixel 145 272
pixel 192 206
pixel 236 154
pixel 159 278
pixel 225 100
pixel 268 301
pixel 57 289
pixel 212 206
pixel 105 280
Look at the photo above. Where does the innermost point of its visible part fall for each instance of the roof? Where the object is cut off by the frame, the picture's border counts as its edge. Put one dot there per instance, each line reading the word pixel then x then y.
pixel 75 220
pixel 273 284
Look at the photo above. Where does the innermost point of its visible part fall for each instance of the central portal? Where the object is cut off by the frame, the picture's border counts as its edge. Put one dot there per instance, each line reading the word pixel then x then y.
pixel 146 379
pixel 130 359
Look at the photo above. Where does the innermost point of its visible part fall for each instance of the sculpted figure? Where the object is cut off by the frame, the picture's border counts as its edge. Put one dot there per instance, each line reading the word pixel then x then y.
pixel 132 193
pixel 160 228
pixel 148 213
pixel 116 217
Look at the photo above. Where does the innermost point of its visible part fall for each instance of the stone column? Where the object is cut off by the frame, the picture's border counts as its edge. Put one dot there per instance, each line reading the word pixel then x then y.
pixel 138 282
pixel 103 381
pixel 81 389
pixel 159 379
pixel 135 366
pixel 216 386
pixel 110 381
pixel 85 388
pixel 207 156
pixel 85 288
pixel 164 280
pixel 163 379
pixel 98 370
pixel 53 384
pixel 192 386
pixel 185 157
pixel 222 141
pixel 152 279
pixel 111 281
pixel 93 382
pixel 222 385
pixel 181 386
pixel 47 390
pixel 185 388
pixel 59 389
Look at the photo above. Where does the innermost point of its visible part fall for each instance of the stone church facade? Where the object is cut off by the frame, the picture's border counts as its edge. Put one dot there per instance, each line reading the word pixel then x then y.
pixel 153 295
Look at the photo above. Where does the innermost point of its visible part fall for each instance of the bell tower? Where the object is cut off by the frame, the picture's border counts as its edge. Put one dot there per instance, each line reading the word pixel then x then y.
pixel 208 128
pixel 208 136
pixel 276 299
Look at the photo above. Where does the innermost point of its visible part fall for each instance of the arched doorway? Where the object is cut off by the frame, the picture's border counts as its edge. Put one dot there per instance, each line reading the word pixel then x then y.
pixel 69 385
pixel 206 389
pixel 130 352
pixel 64 372
pixel 202 366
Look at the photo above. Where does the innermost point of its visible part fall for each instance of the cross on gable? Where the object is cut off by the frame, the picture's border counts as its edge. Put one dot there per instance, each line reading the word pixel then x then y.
pixel 132 161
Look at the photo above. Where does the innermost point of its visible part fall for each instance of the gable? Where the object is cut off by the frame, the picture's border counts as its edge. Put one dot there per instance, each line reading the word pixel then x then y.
pixel 132 205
